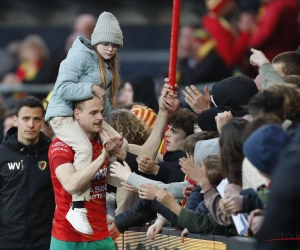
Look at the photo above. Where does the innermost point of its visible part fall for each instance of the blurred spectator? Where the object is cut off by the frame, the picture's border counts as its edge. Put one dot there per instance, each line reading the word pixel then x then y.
pixel 9 58
pixel 202 60
pixel 186 42
pixel 85 24
pixel 34 67
pixel 229 46
pixel 2 112
pixel 277 27
pixel 9 120
pixel 139 87
pixel 59 56
pixel 123 121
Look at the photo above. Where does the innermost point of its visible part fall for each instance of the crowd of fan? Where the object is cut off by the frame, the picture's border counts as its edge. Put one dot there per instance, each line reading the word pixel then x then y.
pixel 244 130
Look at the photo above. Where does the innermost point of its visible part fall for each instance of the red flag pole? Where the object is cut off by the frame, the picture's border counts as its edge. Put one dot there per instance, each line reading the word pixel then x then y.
pixel 174 42
pixel 173 49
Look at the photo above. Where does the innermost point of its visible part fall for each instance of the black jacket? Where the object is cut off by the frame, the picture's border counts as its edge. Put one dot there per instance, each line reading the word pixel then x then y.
pixel 26 193
pixel 169 170
pixel 251 201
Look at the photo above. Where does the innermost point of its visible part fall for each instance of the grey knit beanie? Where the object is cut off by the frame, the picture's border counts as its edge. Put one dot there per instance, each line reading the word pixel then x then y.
pixel 107 30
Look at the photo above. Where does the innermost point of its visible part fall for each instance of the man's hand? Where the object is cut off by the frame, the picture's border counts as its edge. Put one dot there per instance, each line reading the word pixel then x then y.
pixel 148 191
pixel 258 58
pixel 222 118
pixel 147 165
pixel 99 92
pixel 120 171
pixel 232 204
pixel 113 144
pixel 197 101
pixel 113 230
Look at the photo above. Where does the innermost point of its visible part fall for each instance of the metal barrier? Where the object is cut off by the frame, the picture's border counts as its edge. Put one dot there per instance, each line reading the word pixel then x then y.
pixel 169 239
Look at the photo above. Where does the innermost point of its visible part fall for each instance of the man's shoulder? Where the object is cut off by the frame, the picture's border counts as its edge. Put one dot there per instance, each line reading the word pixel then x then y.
pixel 59 147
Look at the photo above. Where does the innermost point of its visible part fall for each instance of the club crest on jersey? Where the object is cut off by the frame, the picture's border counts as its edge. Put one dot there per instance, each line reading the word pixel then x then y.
pixel 42 165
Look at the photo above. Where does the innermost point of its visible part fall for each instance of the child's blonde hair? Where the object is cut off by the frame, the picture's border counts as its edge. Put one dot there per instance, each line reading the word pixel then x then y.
pixel 115 74
pixel 213 170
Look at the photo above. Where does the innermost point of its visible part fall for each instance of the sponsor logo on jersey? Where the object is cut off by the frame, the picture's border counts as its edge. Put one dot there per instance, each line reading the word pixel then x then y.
pixel 59 144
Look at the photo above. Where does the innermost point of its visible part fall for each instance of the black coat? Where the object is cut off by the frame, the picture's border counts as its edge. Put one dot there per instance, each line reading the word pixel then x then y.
pixel 26 193
pixel 169 170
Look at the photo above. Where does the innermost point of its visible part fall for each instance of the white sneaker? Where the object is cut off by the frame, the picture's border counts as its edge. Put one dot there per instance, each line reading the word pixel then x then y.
pixel 78 219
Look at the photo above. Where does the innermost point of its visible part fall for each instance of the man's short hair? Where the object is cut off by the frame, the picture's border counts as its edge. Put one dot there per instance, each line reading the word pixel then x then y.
pixel 183 119
pixel 290 62
pixel 31 102
pixel 78 104
pixel 188 144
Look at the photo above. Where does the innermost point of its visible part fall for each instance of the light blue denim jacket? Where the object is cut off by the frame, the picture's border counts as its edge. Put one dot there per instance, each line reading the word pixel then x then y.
pixel 77 74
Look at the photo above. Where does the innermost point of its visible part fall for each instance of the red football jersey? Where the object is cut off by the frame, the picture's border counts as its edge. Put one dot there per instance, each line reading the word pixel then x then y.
pixel 60 153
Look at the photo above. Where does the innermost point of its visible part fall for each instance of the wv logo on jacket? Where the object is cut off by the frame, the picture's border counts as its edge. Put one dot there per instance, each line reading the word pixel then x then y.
pixel 15 165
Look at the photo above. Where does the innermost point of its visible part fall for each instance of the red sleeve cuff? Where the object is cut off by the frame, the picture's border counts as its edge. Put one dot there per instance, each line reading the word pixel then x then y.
pixel 59 160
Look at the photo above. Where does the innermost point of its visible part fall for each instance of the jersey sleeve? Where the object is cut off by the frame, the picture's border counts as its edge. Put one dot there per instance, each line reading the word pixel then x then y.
pixel 60 153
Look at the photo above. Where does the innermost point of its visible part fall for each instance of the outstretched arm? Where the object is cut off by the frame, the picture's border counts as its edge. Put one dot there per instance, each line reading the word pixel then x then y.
pixel 124 173
pixel 167 103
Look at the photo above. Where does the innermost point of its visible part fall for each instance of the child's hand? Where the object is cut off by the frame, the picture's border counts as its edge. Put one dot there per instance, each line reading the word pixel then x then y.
pixel 196 173
pixel 184 233
pixel 165 198
pixel 128 187
pixel 148 191
pixel 232 204
pixel 222 118
pixel 187 190
pixel 99 92
pixel 120 171
pixel 255 220
pixel 258 58
pixel 154 229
